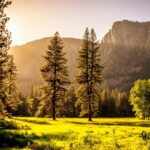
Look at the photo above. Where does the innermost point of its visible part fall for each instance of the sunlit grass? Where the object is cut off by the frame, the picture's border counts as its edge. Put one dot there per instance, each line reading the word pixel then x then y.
pixel 78 133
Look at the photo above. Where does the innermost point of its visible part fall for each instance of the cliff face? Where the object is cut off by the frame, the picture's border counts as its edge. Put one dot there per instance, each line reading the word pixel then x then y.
pixel 129 34
pixel 125 56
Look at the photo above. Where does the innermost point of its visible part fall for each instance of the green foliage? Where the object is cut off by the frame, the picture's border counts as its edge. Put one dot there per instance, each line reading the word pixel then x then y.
pixel 23 108
pixel 33 101
pixel 140 98
pixel 13 100
pixel 13 140
pixel 8 91
pixel 89 74
pixel 69 108
pixel 113 103
pixel 55 73
pixel 4 124
pixel 4 46
pixel 44 107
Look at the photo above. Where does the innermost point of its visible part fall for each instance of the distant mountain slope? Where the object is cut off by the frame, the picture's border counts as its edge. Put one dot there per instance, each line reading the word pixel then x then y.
pixel 125 56
pixel 29 60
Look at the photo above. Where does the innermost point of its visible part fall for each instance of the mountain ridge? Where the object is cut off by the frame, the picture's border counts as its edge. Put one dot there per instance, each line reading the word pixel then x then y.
pixel 125 54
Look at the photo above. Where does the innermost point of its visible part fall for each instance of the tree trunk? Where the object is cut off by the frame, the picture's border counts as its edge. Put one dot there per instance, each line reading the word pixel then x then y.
pixel 53 110
pixel 90 113
pixel 54 95
pixel 74 111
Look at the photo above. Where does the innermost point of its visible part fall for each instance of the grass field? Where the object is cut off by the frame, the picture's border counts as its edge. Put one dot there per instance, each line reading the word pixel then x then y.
pixel 75 134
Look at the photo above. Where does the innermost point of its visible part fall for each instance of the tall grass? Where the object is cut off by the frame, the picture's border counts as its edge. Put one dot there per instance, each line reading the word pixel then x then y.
pixel 73 134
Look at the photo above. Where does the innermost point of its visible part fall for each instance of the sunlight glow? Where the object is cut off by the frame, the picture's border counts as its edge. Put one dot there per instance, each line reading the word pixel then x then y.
pixel 14 32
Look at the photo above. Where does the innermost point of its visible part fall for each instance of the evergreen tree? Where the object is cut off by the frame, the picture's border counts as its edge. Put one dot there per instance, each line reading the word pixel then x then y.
pixel 33 101
pixel 55 73
pixel 44 106
pixel 95 73
pixel 12 90
pixel 125 108
pixel 69 109
pixel 4 46
pixel 113 103
pixel 107 103
pixel 90 74
pixel 23 109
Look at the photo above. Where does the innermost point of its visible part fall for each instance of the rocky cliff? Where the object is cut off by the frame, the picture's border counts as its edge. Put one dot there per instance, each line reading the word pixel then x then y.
pixel 126 54
pixel 129 34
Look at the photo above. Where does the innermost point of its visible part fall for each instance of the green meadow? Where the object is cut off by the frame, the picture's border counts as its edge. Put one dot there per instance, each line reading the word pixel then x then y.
pixel 74 133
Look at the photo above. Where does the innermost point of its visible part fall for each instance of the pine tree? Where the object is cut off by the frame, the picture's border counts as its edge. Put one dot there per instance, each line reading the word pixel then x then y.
pixel 33 101
pixel 90 74
pixel 44 106
pixel 23 109
pixel 69 109
pixel 5 40
pixel 114 103
pixel 12 90
pixel 55 73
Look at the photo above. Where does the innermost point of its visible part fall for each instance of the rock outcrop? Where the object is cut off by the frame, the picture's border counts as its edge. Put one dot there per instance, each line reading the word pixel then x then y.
pixel 126 54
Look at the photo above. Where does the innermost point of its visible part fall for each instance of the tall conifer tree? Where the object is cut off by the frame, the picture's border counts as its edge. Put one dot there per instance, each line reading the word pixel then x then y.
pixel 12 90
pixel 5 40
pixel 55 73
pixel 89 74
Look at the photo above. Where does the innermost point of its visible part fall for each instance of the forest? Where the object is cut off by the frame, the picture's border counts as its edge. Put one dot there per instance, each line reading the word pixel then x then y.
pixel 78 103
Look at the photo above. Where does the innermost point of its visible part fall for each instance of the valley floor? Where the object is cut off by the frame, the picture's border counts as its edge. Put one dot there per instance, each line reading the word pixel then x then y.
pixel 74 134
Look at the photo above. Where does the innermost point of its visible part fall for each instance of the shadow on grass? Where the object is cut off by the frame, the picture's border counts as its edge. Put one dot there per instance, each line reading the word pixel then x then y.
pixel 12 139
pixel 11 125
pixel 49 137
pixel 33 121
pixel 8 125
pixel 23 140
pixel 138 124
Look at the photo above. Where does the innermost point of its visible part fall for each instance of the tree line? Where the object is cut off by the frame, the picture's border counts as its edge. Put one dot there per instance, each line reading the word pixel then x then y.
pixel 110 103
pixel 60 96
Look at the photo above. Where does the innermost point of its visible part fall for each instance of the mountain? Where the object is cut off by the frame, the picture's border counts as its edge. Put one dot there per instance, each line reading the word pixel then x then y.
pixel 125 56
pixel 29 59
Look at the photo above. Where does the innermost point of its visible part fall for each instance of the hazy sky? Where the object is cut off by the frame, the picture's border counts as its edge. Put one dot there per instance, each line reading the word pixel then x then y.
pixel 35 19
